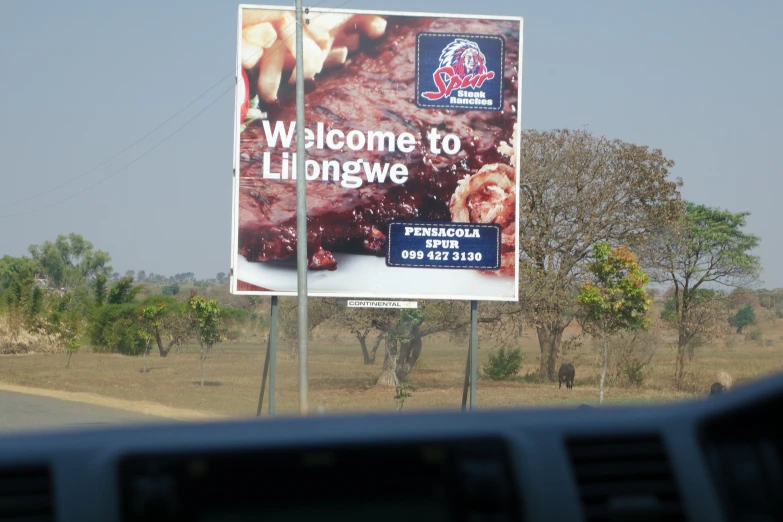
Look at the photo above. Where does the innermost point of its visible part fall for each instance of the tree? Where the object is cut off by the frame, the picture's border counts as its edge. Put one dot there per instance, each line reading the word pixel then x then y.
pixel 707 246
pixel 124 291
pixel 99 289
pixel 205 314
pixel 744 317
pixel 577 190
pixel 114 327
pixel 404 332
pixel 141 276
pixel 616 299
pixel 130 273
pixel 401 331
pixel 18 289
pixel 221 277
pixel 70 260
pixel 172 289
pixel 151 319
pixel 70 333
pixel 162 316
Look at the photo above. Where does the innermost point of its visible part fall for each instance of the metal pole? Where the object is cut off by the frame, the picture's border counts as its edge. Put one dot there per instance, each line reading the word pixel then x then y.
pixel 272 356
pixel 270 363
pixel 263 376
pixel 301 216
pixel 473 351
pixel 467 383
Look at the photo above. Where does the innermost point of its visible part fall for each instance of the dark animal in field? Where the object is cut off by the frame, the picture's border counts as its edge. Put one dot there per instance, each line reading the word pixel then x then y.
pixel 717 389
pixel 566 374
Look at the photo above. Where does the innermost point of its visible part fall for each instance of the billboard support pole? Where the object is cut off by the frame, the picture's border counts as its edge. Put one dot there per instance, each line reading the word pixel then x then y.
pixel 467 383
pixel 272 356
pixel 473 351
pixel 270 363
pixel 301 216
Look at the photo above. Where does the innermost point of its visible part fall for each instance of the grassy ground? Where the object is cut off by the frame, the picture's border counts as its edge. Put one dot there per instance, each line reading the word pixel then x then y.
pixel 340 382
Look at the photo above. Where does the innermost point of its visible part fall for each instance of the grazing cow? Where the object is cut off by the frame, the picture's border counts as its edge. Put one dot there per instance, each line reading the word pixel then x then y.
pixel 716 389
pixel 566 374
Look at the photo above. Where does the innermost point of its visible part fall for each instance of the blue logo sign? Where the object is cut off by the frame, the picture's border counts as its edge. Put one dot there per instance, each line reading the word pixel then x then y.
pixel 416 244
pixel 459 71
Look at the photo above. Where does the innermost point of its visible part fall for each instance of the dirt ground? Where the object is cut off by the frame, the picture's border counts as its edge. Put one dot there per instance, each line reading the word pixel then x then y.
pixel 340 382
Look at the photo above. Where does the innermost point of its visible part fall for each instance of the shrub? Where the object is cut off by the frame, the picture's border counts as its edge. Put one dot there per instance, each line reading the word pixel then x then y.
pixel 755 335
pixel 235 316
pixel 633 372
pixel 503 365
pixel 744 317
pixel 172 289
pixel 115 328
pixel 697 341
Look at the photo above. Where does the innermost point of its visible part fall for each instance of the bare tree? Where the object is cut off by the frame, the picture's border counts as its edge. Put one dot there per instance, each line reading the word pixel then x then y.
pixel 578 189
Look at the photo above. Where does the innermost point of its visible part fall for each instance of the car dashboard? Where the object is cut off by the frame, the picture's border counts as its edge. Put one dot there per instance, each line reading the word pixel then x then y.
pixel 718 459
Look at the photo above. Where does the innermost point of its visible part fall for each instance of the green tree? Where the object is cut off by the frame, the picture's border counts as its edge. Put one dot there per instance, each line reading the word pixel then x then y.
pixel 151 319
pixel 99 289
pixel 114 327
pixel 17 282
pixel 70 334
pixel 70 260
pixel 707 246
pixel 205 314
pixel 744 317
pixel 166 319
pixel 616 299
pixel 172 289
pixel 124 291
pixel 576 190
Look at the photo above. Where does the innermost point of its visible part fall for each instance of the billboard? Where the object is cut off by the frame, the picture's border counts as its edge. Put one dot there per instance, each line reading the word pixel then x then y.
pixel 411 138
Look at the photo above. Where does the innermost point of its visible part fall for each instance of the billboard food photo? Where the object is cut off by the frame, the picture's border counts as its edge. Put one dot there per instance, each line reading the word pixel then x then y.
pixel 410 138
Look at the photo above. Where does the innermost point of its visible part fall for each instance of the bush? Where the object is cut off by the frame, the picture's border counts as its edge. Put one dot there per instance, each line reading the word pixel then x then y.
pixel 172 289
pixel 115 327
pixel 503 365
pixel 634 372
pixel 697 341
pixel 755 335
pixel 235 316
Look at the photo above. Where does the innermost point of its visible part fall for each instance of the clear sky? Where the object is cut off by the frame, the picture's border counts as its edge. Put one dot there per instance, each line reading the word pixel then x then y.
pixel 81 81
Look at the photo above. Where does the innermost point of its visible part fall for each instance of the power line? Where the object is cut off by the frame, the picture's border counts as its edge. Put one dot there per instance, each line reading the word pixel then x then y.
pixel 148 134
pixel 125 167
pixel 101 164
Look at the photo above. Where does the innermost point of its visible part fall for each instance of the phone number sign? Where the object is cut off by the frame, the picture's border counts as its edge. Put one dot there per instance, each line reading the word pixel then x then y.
pixel 416 244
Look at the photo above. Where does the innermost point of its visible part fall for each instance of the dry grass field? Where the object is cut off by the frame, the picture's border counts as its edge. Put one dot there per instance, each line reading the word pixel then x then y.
pixel 340 382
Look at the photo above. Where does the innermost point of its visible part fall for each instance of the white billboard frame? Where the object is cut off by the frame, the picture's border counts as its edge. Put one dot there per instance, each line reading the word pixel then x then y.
pixel 236 174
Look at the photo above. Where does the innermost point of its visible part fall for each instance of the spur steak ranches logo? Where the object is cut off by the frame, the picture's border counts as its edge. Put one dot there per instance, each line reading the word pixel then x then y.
pixel 459 71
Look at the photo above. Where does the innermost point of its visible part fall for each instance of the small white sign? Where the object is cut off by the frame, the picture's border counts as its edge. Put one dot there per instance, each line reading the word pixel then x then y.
pixel 357 303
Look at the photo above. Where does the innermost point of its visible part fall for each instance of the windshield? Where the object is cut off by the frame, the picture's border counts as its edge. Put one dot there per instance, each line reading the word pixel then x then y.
pixel 599 230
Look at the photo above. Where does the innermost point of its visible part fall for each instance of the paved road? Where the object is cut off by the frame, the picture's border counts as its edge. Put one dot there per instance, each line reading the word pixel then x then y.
pixel 19 411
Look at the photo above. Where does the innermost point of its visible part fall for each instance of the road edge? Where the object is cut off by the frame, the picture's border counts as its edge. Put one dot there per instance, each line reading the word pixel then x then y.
pixel 146 408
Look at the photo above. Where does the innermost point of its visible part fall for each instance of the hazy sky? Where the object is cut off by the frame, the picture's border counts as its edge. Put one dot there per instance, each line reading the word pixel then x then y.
pixel 81 81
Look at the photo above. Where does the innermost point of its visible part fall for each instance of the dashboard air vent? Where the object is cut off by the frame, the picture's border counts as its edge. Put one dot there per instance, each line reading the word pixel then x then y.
pixel 26 495
pixel 625 478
